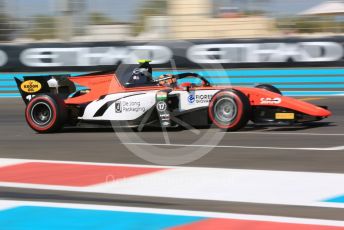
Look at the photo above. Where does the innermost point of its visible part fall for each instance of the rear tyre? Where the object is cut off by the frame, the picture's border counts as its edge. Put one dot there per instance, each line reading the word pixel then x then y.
pixel 46 113
pixel 270 88
pixel 229 110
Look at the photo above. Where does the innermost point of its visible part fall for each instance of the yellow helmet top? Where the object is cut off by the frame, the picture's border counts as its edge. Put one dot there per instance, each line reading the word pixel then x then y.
pixel 142 61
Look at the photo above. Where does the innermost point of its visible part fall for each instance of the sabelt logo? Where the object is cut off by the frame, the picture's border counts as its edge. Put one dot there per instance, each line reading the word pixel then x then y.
pixel 267 100
pixel 31 86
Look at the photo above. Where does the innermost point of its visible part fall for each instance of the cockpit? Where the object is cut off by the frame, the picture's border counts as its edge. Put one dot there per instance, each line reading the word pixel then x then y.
pixel 133 76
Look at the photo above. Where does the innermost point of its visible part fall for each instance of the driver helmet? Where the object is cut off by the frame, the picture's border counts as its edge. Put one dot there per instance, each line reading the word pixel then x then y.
pixel 141 75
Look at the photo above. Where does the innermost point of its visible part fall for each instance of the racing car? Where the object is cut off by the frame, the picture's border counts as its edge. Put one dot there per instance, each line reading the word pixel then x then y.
pixel 140 100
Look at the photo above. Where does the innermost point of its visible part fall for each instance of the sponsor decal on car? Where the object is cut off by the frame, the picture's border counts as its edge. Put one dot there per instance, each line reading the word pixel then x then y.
pixel 161 106
pixel 269 101
pixel 199 98
pixel 118 107
pixel 31 86
pixel 165 123
pixel 130 106
pixel 284 116
pixel 191 98
pixel 161 96
pixel 165 116
pixel 203 98
pixel 29 97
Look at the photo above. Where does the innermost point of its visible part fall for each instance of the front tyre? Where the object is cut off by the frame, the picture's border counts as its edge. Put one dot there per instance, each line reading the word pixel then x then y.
pixel 229 110
pixel 45 113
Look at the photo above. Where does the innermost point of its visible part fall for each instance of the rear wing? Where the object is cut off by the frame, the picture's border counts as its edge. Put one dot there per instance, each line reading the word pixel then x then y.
pixel 53 84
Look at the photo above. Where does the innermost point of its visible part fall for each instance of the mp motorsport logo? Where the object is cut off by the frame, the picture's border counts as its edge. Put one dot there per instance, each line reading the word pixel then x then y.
pixel 191 98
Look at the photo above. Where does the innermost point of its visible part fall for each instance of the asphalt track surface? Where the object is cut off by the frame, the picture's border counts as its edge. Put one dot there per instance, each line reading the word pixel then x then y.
pixel 266 148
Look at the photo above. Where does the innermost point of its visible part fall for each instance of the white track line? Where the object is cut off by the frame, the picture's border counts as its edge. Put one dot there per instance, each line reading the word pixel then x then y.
pixel 9 161
pixel 7 205
pixel 285 133
pixel 280 219
pixel 333 148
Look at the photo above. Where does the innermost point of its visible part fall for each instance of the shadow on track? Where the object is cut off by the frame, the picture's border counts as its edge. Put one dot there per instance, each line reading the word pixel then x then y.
pixel 250 127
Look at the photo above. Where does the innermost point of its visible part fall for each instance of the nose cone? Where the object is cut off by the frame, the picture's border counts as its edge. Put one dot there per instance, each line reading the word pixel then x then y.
pixel 321 112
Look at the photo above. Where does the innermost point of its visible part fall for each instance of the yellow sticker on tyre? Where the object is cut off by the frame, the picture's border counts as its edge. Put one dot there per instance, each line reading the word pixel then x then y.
pixel 284 116
pixel 31 86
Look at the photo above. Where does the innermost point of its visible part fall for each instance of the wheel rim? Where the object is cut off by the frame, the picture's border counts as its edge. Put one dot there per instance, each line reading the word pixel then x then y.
pixel 41 113
pixel 225 110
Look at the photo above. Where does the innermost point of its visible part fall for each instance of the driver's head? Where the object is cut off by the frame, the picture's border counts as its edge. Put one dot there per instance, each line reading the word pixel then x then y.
pixel 141 75
pixel 146 64
pixel 147 73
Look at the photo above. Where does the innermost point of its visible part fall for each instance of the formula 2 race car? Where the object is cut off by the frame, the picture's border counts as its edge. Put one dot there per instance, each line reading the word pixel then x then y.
pixel 169 101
